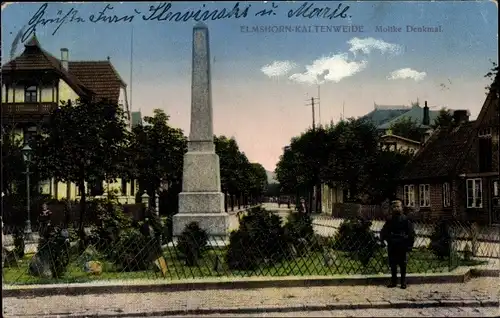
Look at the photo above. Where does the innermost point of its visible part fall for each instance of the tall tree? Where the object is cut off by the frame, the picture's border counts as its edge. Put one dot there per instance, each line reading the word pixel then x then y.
pixel 13 164
pixel 82 142
pixel 157 150
pixel 258 177
pixel 444 119
pixel 407 128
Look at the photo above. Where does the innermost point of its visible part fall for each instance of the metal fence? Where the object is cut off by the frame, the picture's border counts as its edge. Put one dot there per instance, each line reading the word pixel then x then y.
pixel 262 245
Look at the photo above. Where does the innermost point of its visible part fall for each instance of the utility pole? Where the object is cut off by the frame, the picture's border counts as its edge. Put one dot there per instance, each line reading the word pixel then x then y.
pixel 319 103
pixel 313 113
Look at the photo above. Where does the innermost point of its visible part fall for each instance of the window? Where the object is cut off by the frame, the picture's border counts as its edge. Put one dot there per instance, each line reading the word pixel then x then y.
pixel 425 195
pixel 485 132
pixel 496 197
pixel 96 188
pixel 30 94
pixel 132 187
pixel 124 186
pixel 409 195
pixel 474 193
pixel 485 154
pixel 446 195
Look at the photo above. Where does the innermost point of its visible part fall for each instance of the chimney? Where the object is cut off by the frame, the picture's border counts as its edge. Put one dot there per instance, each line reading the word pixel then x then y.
pixel 460 116
pixel 426 120
pixel 64 58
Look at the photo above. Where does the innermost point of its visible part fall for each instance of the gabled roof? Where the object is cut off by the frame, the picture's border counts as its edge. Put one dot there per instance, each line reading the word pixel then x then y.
pixel 416 114
pixel 98 78
pixel 381 114
pixel 442 153
pixel 36 58
pixel 400 138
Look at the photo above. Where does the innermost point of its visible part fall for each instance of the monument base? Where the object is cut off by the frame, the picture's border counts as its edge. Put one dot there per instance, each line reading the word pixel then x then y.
pixel 215 224
pixel 201 202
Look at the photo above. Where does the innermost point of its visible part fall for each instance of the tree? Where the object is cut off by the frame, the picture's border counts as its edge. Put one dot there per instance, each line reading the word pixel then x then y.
pixel 407 128
pixel 233 165
pixel 82 142
pixel 492 75
pixel 157 152
pixel 258 180
pixel 13 164
pixel 444 119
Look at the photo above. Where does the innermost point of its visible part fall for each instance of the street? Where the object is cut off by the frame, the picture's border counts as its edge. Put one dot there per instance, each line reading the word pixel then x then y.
pixel 228 301
pixel 411 312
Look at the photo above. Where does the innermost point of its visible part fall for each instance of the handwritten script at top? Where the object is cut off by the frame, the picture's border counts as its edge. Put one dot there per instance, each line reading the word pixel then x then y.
pixel 165 12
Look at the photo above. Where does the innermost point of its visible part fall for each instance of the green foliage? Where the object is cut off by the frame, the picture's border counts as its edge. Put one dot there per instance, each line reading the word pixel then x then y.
pixel 156 153
pixel 440 243
pixel 131 252
pixel 82 141
pixel 238 175
pixel 356 237
pixel 444 119
pixel 260 240
pixel 192 243
pixel 111 222
pixel 19 245
pixel 493 76
pixel 346 155
pixel 384 170
pixel 299 230
pixel 407 128
pixel 13 164
pixel 54 247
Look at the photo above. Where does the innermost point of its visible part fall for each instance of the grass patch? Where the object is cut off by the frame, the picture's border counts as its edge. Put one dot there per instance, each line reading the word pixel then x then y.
pixel 314 263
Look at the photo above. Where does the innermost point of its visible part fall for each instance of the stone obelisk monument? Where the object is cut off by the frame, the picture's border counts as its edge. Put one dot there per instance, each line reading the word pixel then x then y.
pixel 201 199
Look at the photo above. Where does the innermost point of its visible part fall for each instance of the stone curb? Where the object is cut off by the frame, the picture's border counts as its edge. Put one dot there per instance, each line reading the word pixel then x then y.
pixel 228 283
pixel 332 307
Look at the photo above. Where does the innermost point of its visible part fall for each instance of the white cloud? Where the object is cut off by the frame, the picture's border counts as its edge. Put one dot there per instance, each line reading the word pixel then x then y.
pixel 278 68
pixel 331 68
pixel 405 73
pixel 367 45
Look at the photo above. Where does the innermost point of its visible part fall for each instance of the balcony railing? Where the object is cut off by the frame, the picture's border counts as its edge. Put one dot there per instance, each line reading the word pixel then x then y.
pixel 16 109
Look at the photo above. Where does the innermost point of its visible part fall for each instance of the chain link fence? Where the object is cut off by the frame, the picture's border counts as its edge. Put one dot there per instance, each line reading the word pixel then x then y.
pixel 263 244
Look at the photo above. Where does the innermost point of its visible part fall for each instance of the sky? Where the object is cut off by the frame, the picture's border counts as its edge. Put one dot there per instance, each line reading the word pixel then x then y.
pixel 263 81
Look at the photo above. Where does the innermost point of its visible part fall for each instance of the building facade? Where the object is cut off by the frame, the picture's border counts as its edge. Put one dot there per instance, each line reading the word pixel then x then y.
pixel 455 175
pixel 35 83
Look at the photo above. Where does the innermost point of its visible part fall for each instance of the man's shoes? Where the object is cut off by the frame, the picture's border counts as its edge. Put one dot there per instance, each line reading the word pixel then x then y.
pixel 392 285
pixel 403 286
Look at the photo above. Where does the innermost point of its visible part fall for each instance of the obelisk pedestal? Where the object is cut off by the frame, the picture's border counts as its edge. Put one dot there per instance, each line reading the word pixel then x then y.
pixel 201 199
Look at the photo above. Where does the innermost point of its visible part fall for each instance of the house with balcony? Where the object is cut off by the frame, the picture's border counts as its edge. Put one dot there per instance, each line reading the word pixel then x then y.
pixel 35 83
pixel 455 175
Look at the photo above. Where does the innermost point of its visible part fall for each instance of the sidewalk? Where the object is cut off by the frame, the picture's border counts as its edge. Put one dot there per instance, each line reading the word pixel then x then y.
pixel 475 293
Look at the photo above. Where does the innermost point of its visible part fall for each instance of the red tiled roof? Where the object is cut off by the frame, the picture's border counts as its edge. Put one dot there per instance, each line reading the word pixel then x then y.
pixel 36 58
pixel 86 78
pixel 442 153
pixel 100 77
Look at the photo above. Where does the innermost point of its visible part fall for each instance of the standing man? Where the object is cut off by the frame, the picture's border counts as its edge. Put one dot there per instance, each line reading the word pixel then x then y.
pixel 399 234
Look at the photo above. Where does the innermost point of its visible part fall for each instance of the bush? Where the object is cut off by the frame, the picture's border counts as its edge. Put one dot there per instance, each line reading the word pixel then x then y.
pixel 54 247
pixel 192 243
pixel 355 236
pixel 111 222
pixel 19 244
pixel 440 243
pixel 259 240
pixel 131 252
pixel 299 231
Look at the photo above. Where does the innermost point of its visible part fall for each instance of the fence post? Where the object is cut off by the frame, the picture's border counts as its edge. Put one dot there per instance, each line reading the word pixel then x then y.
pixel 145 199
pixel 474 234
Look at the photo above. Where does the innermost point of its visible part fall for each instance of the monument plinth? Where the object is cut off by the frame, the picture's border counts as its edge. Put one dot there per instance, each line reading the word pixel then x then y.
pixel 201 199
